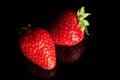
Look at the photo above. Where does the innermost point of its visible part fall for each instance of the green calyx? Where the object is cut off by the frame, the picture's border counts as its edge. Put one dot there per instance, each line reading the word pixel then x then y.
pixel 81 15
pixel 26 27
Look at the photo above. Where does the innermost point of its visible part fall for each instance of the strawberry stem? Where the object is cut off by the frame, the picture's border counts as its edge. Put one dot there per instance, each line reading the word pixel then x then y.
pixel 26 27
pixel 81 15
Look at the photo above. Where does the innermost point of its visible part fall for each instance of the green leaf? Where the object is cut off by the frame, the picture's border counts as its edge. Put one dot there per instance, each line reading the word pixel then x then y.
pixel 83 28
pixel 81 19
pixel 86 30
pixel 29 25
pixel 82 23
pixel 82 10
pixel 26 27
pixel 85 15
pixel 79 24
pixel 78 12
pixel 86 23
pixel 23 28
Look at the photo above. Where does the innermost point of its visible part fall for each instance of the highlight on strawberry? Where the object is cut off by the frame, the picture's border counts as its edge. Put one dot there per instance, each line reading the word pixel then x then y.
pixel 69 28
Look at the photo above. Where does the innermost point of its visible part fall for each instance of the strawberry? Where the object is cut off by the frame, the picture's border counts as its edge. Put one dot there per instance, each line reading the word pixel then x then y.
pixel 37 45
pixel 69 28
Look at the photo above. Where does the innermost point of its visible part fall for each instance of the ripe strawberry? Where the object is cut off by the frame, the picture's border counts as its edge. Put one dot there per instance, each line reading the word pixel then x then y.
pixel 69 28
pixel 37 45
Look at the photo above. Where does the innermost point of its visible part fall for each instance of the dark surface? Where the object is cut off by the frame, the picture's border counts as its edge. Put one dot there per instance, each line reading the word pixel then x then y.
pixel 42 14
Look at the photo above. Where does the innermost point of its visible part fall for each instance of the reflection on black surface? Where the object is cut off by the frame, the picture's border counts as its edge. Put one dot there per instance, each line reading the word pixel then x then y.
pixel 70 54
pixel 38 72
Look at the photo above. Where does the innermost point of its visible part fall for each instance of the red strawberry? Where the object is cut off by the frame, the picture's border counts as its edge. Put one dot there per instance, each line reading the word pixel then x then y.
pixel 37 45
pixel 69 28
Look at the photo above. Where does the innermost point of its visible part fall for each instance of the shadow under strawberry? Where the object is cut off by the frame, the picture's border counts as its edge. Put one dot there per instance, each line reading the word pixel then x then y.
pixel 38 72
pixel 70 54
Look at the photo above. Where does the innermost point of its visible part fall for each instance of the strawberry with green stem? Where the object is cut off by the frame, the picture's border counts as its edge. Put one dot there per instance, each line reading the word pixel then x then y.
pixel 37 45
pixel 69 28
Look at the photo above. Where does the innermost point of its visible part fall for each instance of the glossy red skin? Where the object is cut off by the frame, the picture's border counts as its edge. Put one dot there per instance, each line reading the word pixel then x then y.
pixel 37 45
pixel 65 31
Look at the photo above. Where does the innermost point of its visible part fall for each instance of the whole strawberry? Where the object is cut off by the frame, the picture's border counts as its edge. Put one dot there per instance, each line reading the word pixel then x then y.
pixel 37 45
pixel 69 28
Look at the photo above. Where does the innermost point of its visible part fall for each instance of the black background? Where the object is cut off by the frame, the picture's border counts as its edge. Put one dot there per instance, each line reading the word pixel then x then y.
pixel 41 14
